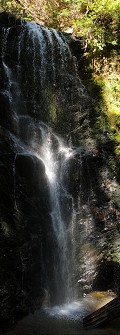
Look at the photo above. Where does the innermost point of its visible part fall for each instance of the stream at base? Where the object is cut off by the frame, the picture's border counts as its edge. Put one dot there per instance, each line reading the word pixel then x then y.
pixel 66 319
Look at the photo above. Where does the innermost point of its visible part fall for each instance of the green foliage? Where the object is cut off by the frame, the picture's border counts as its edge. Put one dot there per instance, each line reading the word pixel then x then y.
pixel 106 114
pixel 99 25
pixel 97 21
pixel 112 101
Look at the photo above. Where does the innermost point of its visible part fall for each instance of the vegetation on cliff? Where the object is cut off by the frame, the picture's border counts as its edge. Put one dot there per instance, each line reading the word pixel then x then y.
pixel 97 21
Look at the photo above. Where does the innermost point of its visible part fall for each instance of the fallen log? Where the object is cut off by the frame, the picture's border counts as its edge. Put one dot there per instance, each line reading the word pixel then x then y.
pixel 103 315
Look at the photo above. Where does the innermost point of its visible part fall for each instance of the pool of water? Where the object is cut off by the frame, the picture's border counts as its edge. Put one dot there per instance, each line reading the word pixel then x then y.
pixel 62 320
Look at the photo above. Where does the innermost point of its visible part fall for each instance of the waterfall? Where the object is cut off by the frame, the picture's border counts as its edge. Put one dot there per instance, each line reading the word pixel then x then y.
pixel 53 192
pixel 59 219
pixel 35 139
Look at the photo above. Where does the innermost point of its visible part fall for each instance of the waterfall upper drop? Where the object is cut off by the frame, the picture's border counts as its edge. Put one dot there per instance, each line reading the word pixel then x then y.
pixel 43 79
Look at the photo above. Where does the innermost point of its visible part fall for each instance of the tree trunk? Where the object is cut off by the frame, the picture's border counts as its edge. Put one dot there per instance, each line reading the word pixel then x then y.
pixel 105 314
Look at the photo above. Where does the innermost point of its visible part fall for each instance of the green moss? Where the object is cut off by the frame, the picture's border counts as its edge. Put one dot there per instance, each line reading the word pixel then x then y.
pixel 53 110
pixel 107 108
pixel 5 228
pixel 117 151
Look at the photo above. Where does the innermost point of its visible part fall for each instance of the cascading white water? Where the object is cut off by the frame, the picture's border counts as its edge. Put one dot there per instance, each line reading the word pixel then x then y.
pixel 37 139
pixel 39 142
pixel 35 95
pixel 54 172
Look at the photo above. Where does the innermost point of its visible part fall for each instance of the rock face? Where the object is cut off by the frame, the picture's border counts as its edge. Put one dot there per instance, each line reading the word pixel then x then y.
pixel 25 205
pixel 25 217
pixel 40 84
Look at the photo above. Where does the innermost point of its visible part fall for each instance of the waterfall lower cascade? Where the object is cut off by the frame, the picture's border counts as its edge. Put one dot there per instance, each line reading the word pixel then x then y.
pixel 54 202
pixel 40 144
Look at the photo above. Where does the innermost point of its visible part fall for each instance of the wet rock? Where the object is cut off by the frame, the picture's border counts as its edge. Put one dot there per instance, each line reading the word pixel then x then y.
pixel 108 276
pixel 7 20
